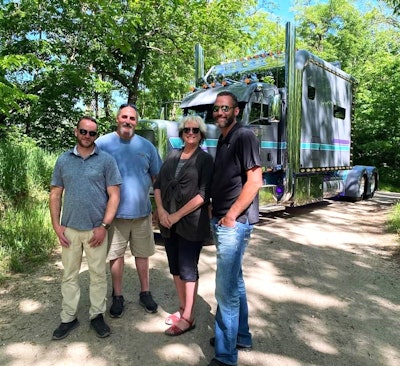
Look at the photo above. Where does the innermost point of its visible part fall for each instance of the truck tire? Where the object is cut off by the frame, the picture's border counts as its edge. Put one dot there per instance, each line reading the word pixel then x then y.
pixel 372 186
pixel 362 188
pixel 360 192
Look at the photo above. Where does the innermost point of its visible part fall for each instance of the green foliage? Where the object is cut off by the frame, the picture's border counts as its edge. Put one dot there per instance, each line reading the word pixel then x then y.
pixel 14 172
pixel 335 31
pixel 25 168
pixel 87 52
pixel 389 179
pixel 26 235
pixel 395 5
pixel 377 127
pixel 393 222
pixel 40 168
pixel 11 95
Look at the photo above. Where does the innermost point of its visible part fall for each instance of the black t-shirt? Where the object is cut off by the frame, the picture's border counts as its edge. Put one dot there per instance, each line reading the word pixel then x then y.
pixel 237 153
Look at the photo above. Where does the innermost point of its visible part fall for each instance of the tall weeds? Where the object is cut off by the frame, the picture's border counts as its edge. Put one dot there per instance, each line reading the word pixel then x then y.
pixel 393 222
pixel 26 235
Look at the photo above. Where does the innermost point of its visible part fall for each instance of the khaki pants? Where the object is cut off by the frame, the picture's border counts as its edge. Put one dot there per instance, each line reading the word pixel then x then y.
pixel 71 260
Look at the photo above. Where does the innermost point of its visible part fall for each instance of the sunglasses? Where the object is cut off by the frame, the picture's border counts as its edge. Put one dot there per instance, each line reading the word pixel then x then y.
pixel 85 132
pixel 191 129
pixel 224 108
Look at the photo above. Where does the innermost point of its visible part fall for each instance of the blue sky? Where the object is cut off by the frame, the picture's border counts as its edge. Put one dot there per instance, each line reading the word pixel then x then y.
pixel 283 6
pixel 282 10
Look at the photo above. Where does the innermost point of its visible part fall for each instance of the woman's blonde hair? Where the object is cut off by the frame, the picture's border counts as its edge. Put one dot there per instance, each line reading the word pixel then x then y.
pixel 196 119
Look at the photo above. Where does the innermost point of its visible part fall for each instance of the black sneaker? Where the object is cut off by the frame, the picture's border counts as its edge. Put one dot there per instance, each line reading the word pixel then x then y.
pixel 239 347
pixel 117 307
pixel 215 362
pixel 100 326
pixel 146 300
pixel 64 328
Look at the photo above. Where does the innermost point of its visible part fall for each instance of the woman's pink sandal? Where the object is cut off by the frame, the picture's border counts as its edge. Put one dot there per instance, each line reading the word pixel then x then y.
pixel 174 330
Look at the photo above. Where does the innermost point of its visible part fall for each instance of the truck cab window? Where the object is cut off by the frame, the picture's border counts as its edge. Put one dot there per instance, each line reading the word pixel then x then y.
pixel 339 112
pixel 311 92
pixel 259 113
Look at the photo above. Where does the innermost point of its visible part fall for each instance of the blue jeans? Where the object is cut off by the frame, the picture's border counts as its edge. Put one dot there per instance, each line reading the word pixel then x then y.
pixel 231 319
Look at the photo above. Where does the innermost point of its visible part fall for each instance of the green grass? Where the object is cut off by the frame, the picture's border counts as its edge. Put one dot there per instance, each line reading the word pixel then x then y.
pixel 26 234
pixel 393 223
pixel 389 180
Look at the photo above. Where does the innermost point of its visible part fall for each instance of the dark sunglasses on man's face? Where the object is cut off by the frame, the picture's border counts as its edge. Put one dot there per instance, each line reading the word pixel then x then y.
pixel 85 132
pixel 224 108
pixel 191 129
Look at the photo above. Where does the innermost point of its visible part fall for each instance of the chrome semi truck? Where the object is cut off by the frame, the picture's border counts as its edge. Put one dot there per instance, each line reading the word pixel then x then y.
pixel 301 109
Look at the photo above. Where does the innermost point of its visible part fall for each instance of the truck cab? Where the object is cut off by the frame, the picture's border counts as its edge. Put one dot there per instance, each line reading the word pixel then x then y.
pixel 301 109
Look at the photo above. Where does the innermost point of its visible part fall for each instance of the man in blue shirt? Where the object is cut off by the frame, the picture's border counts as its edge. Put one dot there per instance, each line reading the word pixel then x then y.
pixel 139 164
pixel 89 180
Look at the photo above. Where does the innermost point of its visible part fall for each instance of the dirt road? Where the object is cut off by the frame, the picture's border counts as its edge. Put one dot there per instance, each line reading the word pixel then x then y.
pixel 323 289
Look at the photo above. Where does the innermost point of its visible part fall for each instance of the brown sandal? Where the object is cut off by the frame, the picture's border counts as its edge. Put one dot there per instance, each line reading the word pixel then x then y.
pixel 174 330
pixel 174 318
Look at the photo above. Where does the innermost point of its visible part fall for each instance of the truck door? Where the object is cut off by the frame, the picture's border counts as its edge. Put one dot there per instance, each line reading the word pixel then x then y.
pixel 262 114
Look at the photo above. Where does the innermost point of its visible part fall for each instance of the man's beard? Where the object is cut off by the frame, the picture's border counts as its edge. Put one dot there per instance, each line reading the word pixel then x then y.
pixel 227 122
pixel 126 130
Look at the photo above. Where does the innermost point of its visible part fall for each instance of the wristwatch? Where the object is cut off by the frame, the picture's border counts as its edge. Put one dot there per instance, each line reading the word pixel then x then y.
pixel 106 226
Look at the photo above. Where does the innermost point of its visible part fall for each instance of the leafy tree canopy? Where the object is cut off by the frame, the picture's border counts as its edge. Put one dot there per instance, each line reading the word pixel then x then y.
pixel 62 58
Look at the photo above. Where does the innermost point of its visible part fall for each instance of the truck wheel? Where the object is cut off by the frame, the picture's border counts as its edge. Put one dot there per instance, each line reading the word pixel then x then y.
pixel 372 185
pixel 361 188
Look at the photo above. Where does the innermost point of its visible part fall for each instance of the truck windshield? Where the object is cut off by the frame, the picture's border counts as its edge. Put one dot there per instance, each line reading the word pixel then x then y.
pixel 259 113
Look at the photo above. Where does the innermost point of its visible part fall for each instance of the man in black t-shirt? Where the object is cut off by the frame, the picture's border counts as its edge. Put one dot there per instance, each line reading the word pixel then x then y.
pixel 234 193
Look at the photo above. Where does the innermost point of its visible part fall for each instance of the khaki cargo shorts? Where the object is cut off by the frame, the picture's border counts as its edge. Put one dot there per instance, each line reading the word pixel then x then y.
pixel 138 233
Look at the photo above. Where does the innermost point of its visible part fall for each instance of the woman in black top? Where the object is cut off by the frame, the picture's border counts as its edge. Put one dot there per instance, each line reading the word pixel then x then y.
pixel 181 192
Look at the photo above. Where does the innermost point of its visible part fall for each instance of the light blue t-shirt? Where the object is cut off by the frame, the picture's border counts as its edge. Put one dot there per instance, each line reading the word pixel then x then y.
pixel 138 161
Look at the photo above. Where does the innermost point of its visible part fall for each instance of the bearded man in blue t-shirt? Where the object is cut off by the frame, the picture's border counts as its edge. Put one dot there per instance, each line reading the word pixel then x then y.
pixel 139 163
